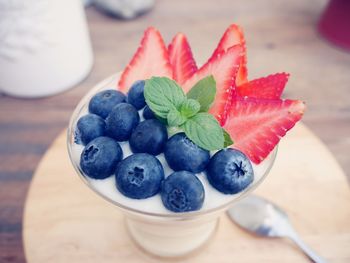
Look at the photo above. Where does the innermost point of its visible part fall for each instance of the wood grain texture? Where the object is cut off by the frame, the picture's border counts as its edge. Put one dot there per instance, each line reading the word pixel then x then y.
pixel 280 36
pixel 89 229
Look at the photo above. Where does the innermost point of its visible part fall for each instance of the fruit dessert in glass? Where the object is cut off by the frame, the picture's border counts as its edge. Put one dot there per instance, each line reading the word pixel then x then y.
pixel 173 146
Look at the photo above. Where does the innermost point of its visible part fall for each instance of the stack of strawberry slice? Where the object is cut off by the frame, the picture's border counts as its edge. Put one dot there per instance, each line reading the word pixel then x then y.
pixel 252 112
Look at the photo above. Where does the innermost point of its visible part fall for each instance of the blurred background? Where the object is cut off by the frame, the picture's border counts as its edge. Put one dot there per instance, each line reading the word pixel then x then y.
pixel 35 104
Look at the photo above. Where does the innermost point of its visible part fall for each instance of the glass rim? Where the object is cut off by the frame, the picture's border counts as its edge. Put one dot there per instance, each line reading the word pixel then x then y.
pixel 171 215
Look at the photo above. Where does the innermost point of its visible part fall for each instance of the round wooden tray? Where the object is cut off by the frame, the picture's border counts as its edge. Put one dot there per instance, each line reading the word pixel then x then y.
pixel 64 221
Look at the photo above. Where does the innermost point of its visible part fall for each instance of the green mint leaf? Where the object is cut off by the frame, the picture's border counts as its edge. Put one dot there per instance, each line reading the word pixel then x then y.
pixel 204 130
pixel 227 139
pixel 175 118
pixel 190 107
pixel 204 92
pixel 162 95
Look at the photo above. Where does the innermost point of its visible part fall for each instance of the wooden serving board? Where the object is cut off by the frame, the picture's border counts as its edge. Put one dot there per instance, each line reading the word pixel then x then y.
pixel 64 221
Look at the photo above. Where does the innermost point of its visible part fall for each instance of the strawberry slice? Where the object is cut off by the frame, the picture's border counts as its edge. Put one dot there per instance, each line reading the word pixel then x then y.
pixel 150 59
pixel 257 125
pixel 181 58
pixel 224 69
pixel 270 87
pixel 233 36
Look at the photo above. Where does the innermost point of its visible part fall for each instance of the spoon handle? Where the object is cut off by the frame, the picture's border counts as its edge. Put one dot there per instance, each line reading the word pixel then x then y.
pixel 306 249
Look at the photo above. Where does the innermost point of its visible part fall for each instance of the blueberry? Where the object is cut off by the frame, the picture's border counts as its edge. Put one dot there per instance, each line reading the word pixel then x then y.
pixel 182 192
pixel 148 113
pixel 88 128
pixel 149 136
pixel 230 171
pixel 139 176
pixel 121 121
pixel 182 154
pixel 103 102
pixel 100 157
pixel 135 94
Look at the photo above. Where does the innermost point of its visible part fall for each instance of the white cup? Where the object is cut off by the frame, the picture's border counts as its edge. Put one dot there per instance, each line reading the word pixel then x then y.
pixel 44 46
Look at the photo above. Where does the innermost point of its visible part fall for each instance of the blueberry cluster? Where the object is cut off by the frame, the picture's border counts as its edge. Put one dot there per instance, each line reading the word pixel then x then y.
pixel 114 118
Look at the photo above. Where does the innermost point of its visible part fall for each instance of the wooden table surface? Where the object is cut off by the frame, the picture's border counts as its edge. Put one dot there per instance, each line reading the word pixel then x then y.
pixel 281 36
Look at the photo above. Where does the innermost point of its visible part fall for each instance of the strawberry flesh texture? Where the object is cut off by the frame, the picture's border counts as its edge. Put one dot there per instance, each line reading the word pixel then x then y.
pixel 151 59
pixel 181 58
pixel 256 125
pixel 224 68
pixel 270 87
pixel 233 36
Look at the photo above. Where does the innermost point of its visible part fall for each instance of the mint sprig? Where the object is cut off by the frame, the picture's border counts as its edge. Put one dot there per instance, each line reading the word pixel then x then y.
pixel 187 112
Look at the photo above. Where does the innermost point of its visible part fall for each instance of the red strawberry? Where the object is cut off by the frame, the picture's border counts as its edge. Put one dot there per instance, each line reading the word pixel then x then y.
pixel 181 58
pixel 150 59
pixel 224 69
pixel 256 125
pixel 270 87
pixel 233 36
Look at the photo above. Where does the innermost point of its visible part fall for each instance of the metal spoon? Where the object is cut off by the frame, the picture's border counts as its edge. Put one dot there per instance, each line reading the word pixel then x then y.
pixel 263 218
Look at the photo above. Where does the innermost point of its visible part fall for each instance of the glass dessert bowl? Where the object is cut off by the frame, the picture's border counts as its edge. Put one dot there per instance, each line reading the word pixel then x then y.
pixel 153 227
pixel 173 174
